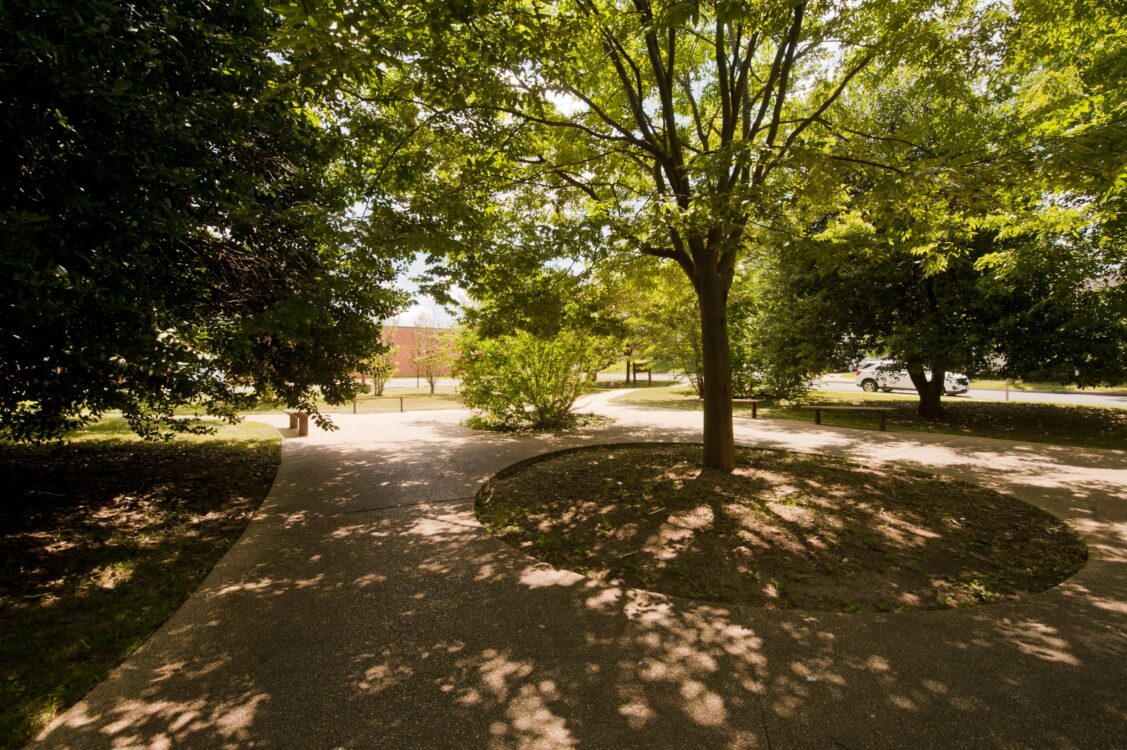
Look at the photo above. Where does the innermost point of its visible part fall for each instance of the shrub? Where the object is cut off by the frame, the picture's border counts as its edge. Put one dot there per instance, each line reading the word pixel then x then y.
pixel 520 380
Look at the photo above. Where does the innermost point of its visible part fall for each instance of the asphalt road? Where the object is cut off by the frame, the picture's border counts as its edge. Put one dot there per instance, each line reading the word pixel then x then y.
pixel 982 394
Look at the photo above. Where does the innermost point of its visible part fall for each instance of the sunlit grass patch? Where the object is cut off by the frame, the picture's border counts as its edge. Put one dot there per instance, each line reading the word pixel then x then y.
pixel 1062 424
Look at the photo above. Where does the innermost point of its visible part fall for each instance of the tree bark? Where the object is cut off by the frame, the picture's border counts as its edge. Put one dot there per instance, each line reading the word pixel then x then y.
pixel 716 361
pixel 929 391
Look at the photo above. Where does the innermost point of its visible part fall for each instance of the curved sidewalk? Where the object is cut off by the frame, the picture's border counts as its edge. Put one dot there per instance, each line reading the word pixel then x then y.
pixel 365 608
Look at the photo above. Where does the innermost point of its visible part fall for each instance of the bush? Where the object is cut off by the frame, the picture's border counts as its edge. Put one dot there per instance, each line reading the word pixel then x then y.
pixel 520 380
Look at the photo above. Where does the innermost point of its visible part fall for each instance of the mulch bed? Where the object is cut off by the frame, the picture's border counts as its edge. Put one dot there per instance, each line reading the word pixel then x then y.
pixel 784 531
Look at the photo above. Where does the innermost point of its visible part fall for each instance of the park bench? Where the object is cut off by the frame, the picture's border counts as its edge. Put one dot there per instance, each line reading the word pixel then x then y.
pixel 299 420
pixel 647 370
pixel 754 404
pixel 882 410
pixel 377 398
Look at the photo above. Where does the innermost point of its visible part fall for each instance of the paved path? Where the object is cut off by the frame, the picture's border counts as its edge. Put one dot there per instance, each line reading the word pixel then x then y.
pixel 365 608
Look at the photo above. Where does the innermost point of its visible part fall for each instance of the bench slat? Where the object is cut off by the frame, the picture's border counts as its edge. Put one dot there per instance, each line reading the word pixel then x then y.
pixel 755 402
pixel 883 411
pixel 851 408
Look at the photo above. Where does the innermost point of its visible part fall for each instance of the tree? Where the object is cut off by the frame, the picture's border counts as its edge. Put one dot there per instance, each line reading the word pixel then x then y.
pixel 433 353
pixel 686 128
pixel 381 367
pixel 659 312
pixel 664 324
pixel 175 219
pixel 694 132
pixel 996 251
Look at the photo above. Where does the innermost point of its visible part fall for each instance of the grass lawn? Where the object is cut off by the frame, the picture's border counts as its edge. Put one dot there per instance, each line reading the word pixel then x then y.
pixel 1062 424
pixel 102 537
pixel 1018 385
pixel 619 368
pixel 783 531
pixel 414 399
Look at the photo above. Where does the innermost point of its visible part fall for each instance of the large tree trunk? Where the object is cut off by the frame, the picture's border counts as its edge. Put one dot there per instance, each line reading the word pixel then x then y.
pixel 716 361
pixel 929 391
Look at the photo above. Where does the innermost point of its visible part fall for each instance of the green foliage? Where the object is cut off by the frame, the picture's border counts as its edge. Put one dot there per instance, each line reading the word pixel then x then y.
pixel 687 132
pixel 175 218
pixel 545 299
pixel 664 324
pixel 661 316
pixel 774 355
pixel 520 380
pixel 900 136
pixel 971 237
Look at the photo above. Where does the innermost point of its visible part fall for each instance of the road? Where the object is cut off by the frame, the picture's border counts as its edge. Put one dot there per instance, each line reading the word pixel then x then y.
pixel 1082 399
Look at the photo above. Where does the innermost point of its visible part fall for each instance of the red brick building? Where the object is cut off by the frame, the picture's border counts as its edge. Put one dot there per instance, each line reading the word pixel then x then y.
pixel 404 338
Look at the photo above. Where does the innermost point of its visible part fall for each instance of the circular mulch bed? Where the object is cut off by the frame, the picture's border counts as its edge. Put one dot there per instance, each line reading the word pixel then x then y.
pixel 784 531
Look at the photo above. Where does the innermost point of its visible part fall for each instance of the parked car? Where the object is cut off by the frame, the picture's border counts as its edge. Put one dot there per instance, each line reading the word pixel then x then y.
pixel 883 375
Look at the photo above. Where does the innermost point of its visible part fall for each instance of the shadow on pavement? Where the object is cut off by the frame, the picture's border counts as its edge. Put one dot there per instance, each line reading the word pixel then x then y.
pixel 365 607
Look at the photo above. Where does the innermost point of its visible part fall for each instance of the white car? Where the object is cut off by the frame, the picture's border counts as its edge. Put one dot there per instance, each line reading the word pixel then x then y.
pixel 883 375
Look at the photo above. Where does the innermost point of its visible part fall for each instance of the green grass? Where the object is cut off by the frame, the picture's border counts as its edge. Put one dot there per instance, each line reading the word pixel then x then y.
pixel 619 368
pixel 415 399
pixel 103 537
pixel 1061 424
pixel 1017 385
pixel 1020 385
pixel 116 429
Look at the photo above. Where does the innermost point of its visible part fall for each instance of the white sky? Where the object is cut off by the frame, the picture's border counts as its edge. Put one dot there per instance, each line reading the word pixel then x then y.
pixel 423 309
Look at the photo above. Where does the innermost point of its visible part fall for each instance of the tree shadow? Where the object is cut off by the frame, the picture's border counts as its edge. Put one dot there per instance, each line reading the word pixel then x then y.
pixel 365 607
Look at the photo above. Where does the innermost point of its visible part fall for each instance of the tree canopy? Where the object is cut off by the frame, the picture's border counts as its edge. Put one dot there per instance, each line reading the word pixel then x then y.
pixel 700 132
pixel 988 240
pixel 693 131
pixel 182 176
pixel 175 212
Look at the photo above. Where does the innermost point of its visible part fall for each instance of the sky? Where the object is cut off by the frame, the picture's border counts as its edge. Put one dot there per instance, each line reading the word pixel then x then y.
pixel 423 309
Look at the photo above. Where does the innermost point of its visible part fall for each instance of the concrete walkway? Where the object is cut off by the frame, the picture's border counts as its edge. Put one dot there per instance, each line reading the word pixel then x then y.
pixel 365 608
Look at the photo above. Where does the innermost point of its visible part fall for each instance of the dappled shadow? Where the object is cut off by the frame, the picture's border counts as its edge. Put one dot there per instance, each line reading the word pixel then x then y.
pixel 411 628
pixel 784 530
pixel 365 607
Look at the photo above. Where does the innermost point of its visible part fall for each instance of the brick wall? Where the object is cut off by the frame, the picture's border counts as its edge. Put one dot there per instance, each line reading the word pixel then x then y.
pixel 405 339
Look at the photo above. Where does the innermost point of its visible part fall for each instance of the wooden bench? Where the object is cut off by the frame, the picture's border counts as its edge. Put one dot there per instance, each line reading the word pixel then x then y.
pixel 754 404
pixel 882 410
pixel 753 401
pixel 299 420
pixel 378 398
